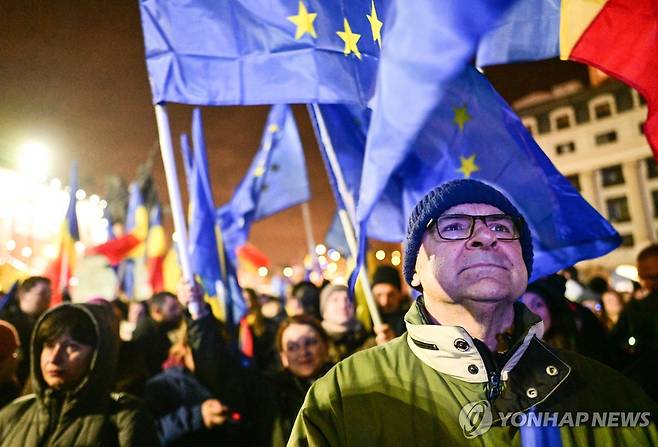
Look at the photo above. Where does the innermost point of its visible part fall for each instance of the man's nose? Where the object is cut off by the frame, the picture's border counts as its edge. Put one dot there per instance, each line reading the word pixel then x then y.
pixel 482 236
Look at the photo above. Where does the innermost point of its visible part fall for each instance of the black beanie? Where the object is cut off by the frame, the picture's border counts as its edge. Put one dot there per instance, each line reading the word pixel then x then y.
pixel 386 274
pixel 452 193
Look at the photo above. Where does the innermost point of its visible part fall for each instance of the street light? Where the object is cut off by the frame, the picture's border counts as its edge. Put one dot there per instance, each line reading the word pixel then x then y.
pixel 34 159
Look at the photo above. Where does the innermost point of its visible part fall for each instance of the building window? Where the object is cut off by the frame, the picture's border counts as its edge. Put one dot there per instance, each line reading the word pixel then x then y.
pixel 606 138
pixel 575 181
pixel 618 210
pixel 627 240
pixel 654 198
pixel 602 106
pixel 612 175
pixel 652 168
pixel 562 118
pixel 602 110
pixel 562 122
pixel 565 148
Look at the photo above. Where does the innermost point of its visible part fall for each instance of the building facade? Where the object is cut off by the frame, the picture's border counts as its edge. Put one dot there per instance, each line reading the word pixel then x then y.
pixel 594 136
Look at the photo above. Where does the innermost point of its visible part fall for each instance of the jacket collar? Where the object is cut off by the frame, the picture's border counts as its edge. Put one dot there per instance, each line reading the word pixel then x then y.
pixel 451 350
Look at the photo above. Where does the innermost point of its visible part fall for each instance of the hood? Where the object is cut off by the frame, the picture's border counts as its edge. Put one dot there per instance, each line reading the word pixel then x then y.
pixel 96 385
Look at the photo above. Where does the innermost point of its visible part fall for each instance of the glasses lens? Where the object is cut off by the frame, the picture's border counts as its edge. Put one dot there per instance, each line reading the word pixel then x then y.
pixel 503 226
pixel 454 227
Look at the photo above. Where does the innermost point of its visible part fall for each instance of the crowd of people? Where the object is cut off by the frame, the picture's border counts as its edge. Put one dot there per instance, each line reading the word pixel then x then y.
pixel 168 372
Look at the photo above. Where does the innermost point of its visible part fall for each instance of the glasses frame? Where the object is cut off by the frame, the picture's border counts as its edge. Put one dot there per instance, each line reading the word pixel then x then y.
pixel 516 221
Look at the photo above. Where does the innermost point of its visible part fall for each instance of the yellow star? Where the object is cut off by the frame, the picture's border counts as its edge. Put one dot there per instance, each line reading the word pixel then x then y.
pixel 461 116
pixel 350 40
pixel 304 21
pixel 375 25
pixel 272 128
pixel 468 165
pixel 259 171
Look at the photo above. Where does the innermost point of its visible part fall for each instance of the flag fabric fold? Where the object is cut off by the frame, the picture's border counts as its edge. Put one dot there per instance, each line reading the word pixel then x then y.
pixel 208 257
pixel 275 180
pixel 156 250
pixel 473 133
pixel 136 227
pixel 261 51
pixel 62 268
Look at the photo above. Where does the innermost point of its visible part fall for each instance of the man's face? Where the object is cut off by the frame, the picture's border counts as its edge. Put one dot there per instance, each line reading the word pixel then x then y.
pixel 339 308
pixel 388 297
pixel 303 351
pixel 479 269
pixel 35 301
pixel 64 362
pixel 647 270
pixel 170 312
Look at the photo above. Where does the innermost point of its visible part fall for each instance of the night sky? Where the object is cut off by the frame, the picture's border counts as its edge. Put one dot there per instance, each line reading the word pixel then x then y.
pixel 72 73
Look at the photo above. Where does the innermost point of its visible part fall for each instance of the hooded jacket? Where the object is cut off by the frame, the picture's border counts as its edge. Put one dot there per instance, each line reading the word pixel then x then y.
pixel 87 415
pixel 435 386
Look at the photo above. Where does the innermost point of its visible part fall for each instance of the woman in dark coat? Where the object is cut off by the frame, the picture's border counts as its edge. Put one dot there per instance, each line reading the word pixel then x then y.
pixel 74 353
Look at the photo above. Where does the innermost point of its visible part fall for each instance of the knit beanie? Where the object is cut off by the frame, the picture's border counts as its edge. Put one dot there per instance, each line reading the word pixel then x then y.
pixel 386 274
pixel 444 197
pixel 327 291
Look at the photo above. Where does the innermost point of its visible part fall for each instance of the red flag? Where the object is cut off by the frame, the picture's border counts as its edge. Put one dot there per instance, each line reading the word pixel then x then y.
pixel 622 41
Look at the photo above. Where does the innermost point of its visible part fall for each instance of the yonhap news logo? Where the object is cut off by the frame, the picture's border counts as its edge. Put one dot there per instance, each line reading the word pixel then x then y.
pixel 476 418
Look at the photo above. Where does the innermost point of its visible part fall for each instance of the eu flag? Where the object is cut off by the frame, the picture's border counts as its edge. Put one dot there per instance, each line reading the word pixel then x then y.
pixel 473 133
pixel 207 252
pixel 207 52
pixel 276 179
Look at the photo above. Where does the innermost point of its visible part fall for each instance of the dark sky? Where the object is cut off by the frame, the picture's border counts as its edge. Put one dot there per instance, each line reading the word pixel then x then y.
pixel 72 73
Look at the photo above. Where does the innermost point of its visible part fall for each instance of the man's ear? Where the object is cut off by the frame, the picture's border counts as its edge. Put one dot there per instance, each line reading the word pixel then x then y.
pixel 415 281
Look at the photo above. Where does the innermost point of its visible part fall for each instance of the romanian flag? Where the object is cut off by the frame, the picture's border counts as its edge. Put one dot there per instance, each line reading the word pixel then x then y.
pixel 62 267
pixel 137 224
pixel 131 244
pixel 156 250
pixel 251 258
pixel 619 37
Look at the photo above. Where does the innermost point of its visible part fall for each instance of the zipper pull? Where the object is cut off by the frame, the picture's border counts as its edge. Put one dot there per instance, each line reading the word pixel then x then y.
pixel 493 386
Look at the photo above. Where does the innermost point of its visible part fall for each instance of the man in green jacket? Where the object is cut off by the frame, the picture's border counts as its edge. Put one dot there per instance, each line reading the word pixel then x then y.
pixel 471 368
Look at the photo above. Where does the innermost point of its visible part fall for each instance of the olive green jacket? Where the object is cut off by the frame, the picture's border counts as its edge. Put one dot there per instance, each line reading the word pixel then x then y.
pixel 410 392
pixel 85 416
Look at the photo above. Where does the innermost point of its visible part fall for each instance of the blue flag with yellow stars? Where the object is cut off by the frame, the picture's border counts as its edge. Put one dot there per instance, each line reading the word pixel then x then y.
pixel 276 179
pixel 208 258
pixel 217 52
pixel 473 133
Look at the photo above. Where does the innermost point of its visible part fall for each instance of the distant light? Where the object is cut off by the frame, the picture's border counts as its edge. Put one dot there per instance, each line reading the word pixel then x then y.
pixel 262 272
pixel 315 277
pixel 396 254
pixel 339 280
pixel 380 255
pixel 94 199
pixel 628 271
pixel 332 267
pixel 80 194
pixel 174 237
pixel 50 251
pixel 79 247
pixel 320 249
pixel 288 272
pixel 26 252
pixel 395 261
pixel 105 223
pixel 74 281
pixel 631 341
pixel 334 255
pixel 322 260
pixel 56 183
pixel 103 203
pixel 11 245
pixel 34 159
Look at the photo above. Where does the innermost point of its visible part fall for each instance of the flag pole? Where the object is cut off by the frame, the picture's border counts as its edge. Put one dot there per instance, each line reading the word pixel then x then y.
pixel 308 228
pixel 344 215
pixel 169 162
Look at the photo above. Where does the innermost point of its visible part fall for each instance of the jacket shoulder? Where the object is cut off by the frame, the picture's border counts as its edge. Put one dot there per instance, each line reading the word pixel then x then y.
pixel 133 421
pixel 13 412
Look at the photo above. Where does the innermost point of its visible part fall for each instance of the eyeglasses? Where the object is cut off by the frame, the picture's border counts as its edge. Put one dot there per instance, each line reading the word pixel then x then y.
pixel 456 227
pixel 305 343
